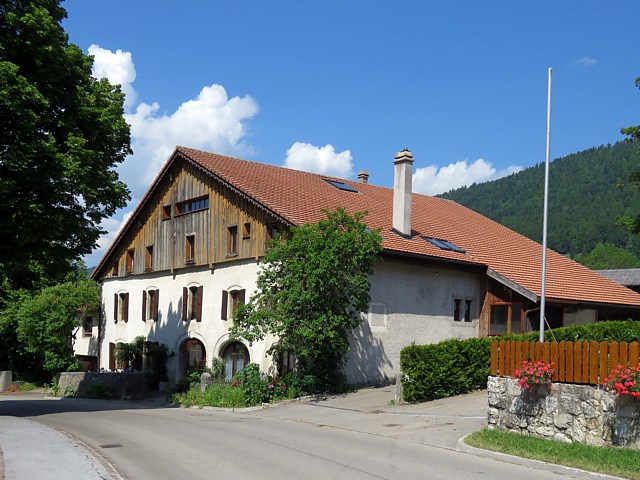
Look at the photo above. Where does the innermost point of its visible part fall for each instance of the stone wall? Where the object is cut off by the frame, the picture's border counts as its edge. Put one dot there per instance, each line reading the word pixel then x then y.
pixel 568 413
pixel 116 385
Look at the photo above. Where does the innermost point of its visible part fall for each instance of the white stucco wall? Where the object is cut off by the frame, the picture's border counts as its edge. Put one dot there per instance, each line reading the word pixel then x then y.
pixel 414 304
pixel 170 329
pixel 419 305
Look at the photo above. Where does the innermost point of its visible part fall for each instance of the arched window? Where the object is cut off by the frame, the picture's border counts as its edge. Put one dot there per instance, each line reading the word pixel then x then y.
pixel 194 355
pixel 236 357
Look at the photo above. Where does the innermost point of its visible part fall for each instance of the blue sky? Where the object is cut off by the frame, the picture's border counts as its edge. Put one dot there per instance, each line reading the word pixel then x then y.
pixel 340 86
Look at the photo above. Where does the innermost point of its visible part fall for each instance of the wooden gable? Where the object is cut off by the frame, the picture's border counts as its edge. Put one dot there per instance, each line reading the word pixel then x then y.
pixel 189 220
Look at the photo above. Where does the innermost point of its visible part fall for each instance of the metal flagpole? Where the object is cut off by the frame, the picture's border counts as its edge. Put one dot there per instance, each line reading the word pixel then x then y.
pixel 544 217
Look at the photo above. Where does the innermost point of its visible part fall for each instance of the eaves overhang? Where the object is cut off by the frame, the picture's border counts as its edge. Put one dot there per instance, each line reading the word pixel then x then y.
pixel 507 282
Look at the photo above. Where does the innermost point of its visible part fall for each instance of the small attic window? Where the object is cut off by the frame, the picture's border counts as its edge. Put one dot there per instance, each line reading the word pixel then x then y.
pixel 443 244
pixel 341 185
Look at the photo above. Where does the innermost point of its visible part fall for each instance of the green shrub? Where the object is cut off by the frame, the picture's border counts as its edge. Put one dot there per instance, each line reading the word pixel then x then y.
pixel 249 381
pixel 98 390
pixel 619 331
pixel 444 369
pixel 454 366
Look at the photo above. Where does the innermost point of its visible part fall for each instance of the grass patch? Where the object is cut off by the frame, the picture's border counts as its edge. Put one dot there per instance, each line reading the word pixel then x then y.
pixel 622 462
pixel 27 386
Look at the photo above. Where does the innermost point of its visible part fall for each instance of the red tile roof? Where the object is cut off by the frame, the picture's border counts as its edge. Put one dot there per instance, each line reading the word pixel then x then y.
pixel 298 198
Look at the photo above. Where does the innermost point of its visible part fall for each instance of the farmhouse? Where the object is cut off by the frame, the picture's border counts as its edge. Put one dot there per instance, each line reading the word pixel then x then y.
pixel 190 253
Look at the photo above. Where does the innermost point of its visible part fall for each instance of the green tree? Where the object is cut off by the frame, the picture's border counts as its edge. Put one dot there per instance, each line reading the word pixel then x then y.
pixel 632 222
pixel 62 133
pixel 42 327
pixel 606 256
pixel 312 286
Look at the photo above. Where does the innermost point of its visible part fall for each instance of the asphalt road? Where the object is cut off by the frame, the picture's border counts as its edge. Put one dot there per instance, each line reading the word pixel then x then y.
pixel 341 438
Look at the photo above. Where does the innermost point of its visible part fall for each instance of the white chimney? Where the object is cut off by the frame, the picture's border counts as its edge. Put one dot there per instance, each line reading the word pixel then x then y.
pixel 402 166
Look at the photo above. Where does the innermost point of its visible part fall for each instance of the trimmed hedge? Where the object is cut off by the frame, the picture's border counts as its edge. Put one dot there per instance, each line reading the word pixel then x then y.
pixel 622 331
pixel 444 369
pixel 455 366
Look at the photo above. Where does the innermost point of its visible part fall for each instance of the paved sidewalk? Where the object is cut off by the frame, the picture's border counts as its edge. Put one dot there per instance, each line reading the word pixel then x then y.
pixel 371 410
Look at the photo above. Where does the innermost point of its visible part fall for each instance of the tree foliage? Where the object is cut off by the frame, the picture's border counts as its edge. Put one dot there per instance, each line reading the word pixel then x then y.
pixel 583 201
pixel 62 133
pixel 41 327
pixel 312 286
pixel 606 256
pixel 632 222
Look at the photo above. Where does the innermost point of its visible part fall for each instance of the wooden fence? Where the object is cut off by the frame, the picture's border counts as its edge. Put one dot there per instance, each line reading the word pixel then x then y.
pixel 574 362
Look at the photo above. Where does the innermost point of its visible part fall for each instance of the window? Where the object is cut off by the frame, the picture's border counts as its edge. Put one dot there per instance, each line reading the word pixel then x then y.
pixel 272 230
pixel 246 231
pixel 443 244
pixel 340 185
pixel 129 263
pixel 196 359
pixel 230 301
pixel 232 240
pixel 235 357
pixel 190 249
pixel 192 303
pixel 286 362
pixel 505 318
pixel 166 212
pixel 193 205
pixel 461 310
pixel 121 307
pixel 148 259
pixel 377 316
pixel 87 326
pixel 150 304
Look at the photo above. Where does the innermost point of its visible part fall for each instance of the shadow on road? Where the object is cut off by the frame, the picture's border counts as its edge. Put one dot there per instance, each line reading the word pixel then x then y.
pixel 36 404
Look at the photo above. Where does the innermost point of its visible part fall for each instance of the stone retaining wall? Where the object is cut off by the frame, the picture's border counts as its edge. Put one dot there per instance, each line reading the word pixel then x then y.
pixel 567 413
pixel 118 385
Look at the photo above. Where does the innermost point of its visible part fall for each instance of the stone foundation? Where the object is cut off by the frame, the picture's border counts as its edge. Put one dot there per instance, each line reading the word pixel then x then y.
pixel 567 413
pixel 118 385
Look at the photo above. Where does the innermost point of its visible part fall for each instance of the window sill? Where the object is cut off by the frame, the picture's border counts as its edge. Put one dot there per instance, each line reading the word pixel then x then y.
pixel 231 255
pixel 148 269
pixel 189 262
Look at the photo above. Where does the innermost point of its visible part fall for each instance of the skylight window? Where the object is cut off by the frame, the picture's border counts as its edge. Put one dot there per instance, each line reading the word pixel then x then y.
pixel 340 185
pixel 443 244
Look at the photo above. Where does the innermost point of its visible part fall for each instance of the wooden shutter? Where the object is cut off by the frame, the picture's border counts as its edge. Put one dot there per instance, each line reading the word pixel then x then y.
pixel 199 304
pixel 115 307
pixel 112 357
pixel 144 305
pixel 185 304
pixel 154 306
pixel 126 307
pixel 225 300
pixel 241 296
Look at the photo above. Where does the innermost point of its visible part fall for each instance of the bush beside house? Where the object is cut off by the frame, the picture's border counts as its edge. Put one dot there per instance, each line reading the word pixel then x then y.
pixel 455 366
pixel 444 369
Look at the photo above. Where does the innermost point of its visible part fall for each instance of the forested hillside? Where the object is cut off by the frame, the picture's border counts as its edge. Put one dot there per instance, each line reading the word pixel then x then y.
pixel 583 200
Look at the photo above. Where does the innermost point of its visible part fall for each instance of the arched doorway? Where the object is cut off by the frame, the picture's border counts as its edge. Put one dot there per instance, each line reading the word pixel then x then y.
pixel 236 357
pixel 194 357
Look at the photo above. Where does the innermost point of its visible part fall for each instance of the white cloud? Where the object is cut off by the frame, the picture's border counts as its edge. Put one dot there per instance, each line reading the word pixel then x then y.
pixel 323 160
pixel 211 121
pixel 586 62
pixel 117 67
pixel 432 180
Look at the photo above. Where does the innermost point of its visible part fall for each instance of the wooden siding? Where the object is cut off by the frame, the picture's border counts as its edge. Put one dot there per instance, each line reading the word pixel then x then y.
pixel 209 226
pixel 574 362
